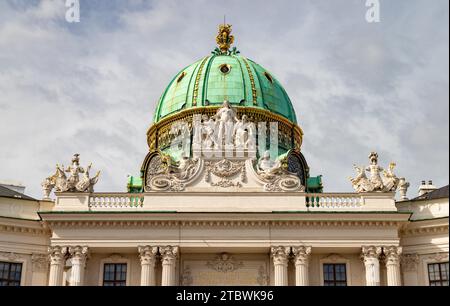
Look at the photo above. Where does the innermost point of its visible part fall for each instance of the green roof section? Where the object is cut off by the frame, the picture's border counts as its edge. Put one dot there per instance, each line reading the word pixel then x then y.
pixel 216 78
pixel 315 184
pixel 134 184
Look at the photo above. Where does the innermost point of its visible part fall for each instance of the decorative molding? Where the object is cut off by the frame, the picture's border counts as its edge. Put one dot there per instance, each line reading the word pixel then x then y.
pixel 409 262
pixel 24 230
pixel 438 257
pixel 224 263
pixel 441 229
pixel 220 223
pixel 186 277
pixel 263 278
pixel 10 256
pixel 40 262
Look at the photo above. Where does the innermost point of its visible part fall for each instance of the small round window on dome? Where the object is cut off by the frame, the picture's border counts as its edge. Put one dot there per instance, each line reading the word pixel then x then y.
pixel 269 77
pixel 225 68
pixel 181 77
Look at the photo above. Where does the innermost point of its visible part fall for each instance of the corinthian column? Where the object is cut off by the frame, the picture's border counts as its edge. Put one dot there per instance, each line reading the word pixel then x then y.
pixel 280 255
pixel 371 255
pixel 57 256
pixel 169 255
pixel 147 254
pixel 301 258
pixel 393 254
pixel 78 259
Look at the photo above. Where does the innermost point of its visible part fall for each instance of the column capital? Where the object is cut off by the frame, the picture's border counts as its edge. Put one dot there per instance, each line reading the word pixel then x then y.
pixel 301 254
pixel 280 254
pixel 371 252
pixel 392 254
pixel 168 253
pixel 79 253
pixel 57 254
pixel 147 254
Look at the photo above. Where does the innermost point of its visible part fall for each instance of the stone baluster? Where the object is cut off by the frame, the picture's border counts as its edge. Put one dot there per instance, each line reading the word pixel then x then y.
pixel 371 256
pixel 301 258
pixel 57 256
pixel 392 254
pixel 147 255
pixel 169 255
pixel 78 258
pixel 280 255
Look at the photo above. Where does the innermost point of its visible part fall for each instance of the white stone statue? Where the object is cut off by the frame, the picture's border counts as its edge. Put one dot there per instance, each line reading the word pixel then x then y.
pixel 361 183
pixel 208 130
pixel 375 183
pixel 61 183
pixel 184 169
pixel 375 171
pixel 244 134
pixel 268 168
pixel 391 181
pixel 225 117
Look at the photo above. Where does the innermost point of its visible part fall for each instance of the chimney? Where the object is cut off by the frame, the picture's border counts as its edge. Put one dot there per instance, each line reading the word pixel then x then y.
pixel 426 188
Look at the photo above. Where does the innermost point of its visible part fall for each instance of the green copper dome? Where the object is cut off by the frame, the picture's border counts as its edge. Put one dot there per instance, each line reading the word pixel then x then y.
pixel 220 77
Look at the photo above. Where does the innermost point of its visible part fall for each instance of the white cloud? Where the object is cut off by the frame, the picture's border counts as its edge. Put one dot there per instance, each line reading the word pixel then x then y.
pixel 91 87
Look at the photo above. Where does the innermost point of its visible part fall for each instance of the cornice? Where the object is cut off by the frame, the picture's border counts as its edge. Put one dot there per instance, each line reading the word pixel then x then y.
pixel 218 223
pixel 429 230
pixel 24 230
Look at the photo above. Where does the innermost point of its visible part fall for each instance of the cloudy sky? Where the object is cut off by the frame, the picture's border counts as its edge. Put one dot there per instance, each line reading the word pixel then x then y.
pixel 91 87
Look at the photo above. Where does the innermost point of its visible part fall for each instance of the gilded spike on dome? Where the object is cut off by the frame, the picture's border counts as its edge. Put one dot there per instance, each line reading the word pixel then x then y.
pixel 224 39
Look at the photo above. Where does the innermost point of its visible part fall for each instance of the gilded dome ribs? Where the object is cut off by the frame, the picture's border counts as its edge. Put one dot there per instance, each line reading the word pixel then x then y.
pixel 197 81
pixel 252 82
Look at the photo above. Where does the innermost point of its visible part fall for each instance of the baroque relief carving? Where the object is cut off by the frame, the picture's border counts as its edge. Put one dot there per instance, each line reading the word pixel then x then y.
pixel 409 262
pixel 10 256
pixel 163 175
pixel 439 257
pixel 186 277
pixel 224 263
pixel 40 262
pixel 263 278
pixel 225 170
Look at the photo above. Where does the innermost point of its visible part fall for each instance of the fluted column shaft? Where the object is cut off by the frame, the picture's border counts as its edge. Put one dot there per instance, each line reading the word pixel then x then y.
pixel 78 259
pixel 371 255
pixel 147 255
pixel 393 254
pixel 169 255
pixel 280 257
pixel 301 258
pixel 57 256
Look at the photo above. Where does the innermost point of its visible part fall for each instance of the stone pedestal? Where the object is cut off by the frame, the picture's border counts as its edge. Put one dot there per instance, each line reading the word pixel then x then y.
pixel 371 256
pixel 280 256
pixel 393 254
pixel 301 260
pixel 57 258
pixel 147 255
pixel 169 256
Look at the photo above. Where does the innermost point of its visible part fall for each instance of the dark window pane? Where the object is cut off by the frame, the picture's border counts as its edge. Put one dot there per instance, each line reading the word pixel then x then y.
pixel 335 275
pixel 438 274
pixel 10 274
pixel 115 275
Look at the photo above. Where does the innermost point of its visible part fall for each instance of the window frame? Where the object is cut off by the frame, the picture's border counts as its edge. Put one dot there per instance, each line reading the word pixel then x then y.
pixel 9 273
pixel 17 258
pixel 335 281
pixel 114 259
pixel 335 259
pixel 115 281
pixel 440 281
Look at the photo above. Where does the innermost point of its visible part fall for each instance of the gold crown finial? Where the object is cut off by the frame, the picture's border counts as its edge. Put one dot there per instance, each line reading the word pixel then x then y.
pixel 224 39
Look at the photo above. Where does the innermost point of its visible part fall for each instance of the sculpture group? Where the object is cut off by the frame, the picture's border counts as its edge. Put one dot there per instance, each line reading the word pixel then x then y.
pixel 376 183
pixel 224 131
pixel 61 183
